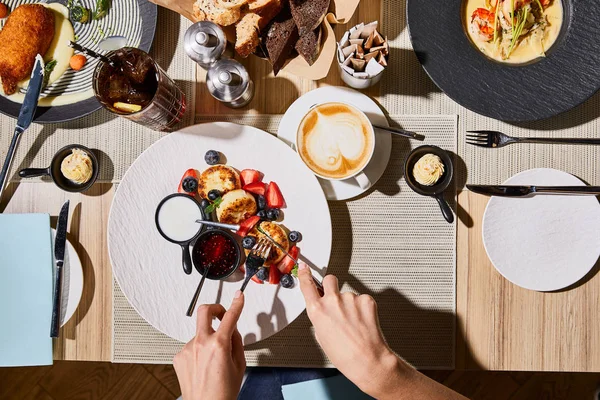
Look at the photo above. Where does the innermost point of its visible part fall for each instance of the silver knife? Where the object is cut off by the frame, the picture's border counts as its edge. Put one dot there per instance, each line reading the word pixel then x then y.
pixel 318 284
pixel 59 256
pixel 25 116
pixel 520 191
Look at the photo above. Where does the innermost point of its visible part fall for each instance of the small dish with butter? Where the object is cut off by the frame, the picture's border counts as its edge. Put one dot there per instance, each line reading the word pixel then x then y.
pixel 74 168
pixel 428 171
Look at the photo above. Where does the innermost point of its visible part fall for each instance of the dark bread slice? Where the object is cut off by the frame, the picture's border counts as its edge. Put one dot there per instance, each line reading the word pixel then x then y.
pixel 308 14
pixel 281 37
pixel 309 45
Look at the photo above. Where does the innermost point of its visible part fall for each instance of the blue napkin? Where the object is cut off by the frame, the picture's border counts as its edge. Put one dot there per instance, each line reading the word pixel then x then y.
pixel 25 289
pixel 335 388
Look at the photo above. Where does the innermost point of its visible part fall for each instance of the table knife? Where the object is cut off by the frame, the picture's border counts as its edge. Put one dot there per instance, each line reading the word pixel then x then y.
pixel 59 256
pixel 318 284
pixel 520 191
pixel 25 117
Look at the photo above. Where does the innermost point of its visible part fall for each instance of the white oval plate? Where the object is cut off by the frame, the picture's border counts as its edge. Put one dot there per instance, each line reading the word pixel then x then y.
pixel 72 284
pixel 346 189
pixel 148 268
pixel 543 242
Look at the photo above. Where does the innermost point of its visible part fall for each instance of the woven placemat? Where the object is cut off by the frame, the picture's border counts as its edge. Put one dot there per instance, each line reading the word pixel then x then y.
pixel 117 141
pixel 406 89
pixel 390 243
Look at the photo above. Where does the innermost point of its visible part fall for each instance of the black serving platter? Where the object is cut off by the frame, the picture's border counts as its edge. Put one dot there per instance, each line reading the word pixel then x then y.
pixel 565 78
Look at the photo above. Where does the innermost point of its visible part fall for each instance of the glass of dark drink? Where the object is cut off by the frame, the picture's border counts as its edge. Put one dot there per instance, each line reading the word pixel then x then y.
pixel 134 86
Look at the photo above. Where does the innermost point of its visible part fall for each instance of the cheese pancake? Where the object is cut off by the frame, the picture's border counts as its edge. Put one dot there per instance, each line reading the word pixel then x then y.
pixel 278 234
pixel 236 206
pixel 220 177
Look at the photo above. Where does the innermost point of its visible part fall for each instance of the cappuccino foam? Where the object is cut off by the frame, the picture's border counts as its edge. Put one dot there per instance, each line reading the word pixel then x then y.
pixel 335 140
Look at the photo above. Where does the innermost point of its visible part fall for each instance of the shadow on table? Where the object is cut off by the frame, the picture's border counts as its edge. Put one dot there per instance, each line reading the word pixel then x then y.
pixel 410 78
pixel 427 336
pixel 459 182
pixel 582 114
pixel 167 31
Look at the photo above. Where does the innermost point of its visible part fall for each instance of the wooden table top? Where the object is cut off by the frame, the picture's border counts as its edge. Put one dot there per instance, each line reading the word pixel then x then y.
pixel 499 325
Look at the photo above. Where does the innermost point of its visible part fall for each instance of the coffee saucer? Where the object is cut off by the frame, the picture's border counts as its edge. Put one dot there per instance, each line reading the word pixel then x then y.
pixel 349 188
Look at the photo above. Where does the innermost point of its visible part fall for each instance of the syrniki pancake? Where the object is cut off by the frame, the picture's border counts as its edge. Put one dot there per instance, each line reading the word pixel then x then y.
pixel 236 206
pixel 276 232
pixel 220 177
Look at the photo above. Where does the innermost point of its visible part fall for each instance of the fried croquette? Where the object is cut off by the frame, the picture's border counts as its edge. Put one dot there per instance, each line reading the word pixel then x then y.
pixel 28 31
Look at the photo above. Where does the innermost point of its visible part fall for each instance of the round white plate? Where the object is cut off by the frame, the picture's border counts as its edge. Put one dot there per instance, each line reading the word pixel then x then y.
pixel 148 268
pixel 72 284
pixel 543 242
pixel 346 189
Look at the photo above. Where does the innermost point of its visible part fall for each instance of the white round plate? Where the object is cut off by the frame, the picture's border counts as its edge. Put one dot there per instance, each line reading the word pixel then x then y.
pixel 543 242
pixel 148 268
pixel 346 189
pixel 72 284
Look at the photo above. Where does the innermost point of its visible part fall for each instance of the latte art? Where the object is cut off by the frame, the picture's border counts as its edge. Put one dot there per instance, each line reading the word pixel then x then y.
pixel 335 140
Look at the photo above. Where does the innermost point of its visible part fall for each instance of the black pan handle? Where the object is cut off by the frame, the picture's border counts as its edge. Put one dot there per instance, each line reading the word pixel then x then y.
pixel 186 259
pixel 33 172
pixel 446 210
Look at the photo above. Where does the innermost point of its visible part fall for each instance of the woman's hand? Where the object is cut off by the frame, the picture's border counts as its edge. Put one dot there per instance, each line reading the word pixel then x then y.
pixel 347 328
pixel 212 364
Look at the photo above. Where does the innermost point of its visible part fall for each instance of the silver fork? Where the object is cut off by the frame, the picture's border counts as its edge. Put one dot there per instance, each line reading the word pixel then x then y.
pixel 256 259
pixel 495 139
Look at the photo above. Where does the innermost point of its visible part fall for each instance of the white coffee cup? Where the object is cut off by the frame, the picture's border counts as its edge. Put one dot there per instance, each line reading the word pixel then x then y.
pixel 340 135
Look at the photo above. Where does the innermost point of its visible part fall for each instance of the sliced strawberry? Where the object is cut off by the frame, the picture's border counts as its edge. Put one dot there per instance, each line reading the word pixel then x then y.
pixel 255 279
pixel 286 265
pixel 274 196
pixel 274 275
pixel 190 172
pixel 256 188
pixel 250 176
pixel 247 225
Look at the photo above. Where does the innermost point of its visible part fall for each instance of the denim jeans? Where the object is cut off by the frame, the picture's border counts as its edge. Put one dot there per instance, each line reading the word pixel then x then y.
pixel 264 383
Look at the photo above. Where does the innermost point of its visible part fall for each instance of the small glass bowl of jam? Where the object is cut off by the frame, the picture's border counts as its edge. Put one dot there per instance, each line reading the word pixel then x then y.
pixel 218 248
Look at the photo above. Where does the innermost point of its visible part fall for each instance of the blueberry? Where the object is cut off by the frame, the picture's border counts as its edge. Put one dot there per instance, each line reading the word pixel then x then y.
pixel 287 281
pixel 261 202
pixel 204 203
pixel 273 214
pixel 190 184
pixel 262 214
pixel 263 274
pixel 295 236
pixel 248 242
pixel 214 194
pixel 212 157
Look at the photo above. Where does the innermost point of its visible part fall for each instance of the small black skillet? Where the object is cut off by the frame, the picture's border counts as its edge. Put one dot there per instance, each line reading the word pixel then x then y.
pixel 438 189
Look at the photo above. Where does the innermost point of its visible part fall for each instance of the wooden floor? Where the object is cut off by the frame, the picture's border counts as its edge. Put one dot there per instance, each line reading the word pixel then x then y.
pixel 69 380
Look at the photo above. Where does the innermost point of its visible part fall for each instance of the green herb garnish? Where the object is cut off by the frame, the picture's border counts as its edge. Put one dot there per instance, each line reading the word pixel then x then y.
pixel 48 68
pixel 518 29
pixel 80 14
pixel 295 271
pixel 496 21
pixel 213 206
pixel 102 7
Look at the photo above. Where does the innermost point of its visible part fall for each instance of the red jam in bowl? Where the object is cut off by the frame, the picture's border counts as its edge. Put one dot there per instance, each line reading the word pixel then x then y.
pixel 216 248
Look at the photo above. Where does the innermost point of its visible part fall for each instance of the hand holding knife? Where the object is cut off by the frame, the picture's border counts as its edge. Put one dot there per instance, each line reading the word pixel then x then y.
pixel 59 256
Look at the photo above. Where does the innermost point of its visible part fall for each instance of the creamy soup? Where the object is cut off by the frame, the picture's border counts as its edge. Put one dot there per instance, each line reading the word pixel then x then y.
pixel 491 29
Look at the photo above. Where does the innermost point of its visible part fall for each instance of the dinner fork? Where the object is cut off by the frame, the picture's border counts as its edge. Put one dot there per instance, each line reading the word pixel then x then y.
pixel 256 259
pixel 495 139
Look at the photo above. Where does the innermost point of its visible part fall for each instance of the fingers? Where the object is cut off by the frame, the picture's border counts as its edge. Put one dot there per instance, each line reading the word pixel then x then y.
pixel 206 313
pixel 331 286
pixel 307 286
pixel 230 319
pixel 237 350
